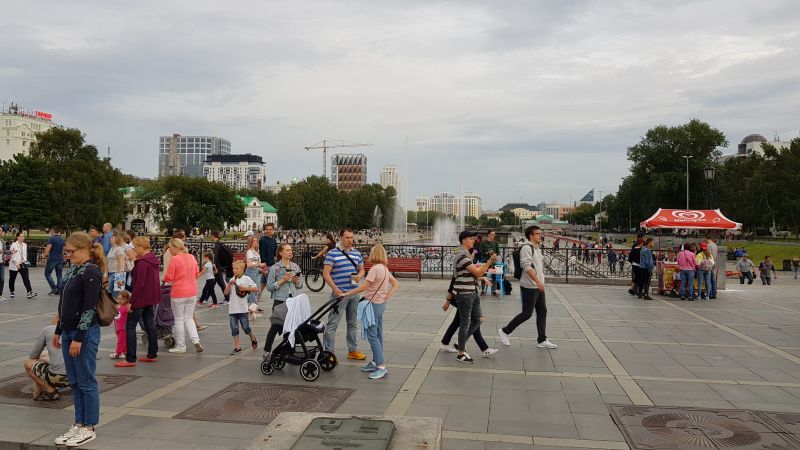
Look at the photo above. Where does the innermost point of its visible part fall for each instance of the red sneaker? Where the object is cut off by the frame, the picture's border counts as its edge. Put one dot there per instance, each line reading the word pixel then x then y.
pixel 124 364
pixel 146 359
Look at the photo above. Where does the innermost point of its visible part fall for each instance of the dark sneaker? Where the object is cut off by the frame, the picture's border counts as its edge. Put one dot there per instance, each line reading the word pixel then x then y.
pixel 236 351
pixel 465 358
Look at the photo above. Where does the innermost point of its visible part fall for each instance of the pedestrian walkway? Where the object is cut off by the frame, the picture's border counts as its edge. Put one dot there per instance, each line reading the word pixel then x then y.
pixel 741 351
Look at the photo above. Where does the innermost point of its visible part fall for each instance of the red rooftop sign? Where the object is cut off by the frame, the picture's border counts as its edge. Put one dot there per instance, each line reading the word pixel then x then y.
pixel 690 218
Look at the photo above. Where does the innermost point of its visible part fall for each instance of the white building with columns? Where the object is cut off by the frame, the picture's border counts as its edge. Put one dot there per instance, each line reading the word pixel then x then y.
pixel 18 128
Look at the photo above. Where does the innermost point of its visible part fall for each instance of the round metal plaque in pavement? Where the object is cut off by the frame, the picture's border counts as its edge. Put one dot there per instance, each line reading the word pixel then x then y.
pixel 259 403
pixel 651 427
pixel 18 390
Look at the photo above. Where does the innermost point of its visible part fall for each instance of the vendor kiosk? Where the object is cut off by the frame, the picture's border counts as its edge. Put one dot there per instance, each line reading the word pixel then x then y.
pixel 688 219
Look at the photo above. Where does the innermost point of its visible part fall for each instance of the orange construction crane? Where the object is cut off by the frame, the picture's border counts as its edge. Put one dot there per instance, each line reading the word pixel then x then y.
pixel 328 143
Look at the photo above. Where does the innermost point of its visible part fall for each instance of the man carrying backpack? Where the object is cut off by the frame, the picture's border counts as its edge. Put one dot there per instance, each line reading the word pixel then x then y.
pixel 530 272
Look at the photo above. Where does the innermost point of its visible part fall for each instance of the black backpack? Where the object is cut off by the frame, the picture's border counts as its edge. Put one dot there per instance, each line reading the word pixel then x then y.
pixel 515 256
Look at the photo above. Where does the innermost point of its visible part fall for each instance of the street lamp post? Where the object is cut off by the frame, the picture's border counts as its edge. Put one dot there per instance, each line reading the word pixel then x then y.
pixel 687 179
pixel 709 173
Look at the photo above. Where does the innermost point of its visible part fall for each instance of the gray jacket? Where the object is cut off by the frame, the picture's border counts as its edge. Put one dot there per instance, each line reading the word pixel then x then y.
pixel 530 256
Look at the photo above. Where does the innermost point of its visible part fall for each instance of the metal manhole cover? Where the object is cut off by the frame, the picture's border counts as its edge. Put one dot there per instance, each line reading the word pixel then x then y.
pixel 259 403
pixel 653 427
pixel 18 390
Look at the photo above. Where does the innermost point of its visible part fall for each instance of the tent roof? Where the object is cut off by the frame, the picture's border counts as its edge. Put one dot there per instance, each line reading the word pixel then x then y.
pixel 711 219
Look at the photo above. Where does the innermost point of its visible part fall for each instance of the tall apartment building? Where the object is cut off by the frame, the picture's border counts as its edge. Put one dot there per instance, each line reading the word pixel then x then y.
pixel 472 205
pixel 349 171
pixel 186 155
pixel 237 171
pixel 18 128
pixel 390 177
pixel 424 204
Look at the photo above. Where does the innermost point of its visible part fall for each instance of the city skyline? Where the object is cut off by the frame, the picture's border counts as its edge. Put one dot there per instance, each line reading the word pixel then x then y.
pixel 537 100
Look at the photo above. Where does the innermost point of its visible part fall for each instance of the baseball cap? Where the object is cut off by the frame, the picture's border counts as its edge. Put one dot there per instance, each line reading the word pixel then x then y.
pixel 703 246
pixel 466 234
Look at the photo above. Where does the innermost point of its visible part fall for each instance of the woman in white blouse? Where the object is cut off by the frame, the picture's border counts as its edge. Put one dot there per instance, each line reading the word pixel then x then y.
pixel 19 265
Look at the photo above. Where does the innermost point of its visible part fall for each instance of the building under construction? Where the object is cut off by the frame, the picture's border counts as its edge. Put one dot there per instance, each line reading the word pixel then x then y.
pixel 349 171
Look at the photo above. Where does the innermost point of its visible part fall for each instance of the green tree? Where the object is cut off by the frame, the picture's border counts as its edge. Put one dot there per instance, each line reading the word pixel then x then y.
pixel 25 200
pixel 658 170
pixel 197 202
pixel 583 214
pixel 508 218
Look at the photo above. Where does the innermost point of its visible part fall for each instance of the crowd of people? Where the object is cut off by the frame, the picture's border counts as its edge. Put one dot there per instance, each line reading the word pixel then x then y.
pixel 124 265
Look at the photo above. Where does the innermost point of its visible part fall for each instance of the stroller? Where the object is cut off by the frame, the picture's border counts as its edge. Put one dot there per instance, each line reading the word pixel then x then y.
pixel 164 319
pixel 305 349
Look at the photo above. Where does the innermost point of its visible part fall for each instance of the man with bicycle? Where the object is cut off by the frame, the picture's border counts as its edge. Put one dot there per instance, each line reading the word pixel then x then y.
pixel 342 271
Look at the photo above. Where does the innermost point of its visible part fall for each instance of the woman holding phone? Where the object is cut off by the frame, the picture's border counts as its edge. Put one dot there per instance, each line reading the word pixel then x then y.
pixel 283 281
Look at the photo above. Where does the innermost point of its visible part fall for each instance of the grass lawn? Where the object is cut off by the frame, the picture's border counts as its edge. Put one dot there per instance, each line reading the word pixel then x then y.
pixel 757 251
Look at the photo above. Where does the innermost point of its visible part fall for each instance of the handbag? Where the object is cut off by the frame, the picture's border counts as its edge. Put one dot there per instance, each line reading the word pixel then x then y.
pixel 106 306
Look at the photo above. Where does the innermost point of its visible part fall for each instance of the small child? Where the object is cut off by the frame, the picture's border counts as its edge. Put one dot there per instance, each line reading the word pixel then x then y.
pixel 208 272
pixel 123 308
pixel 239 287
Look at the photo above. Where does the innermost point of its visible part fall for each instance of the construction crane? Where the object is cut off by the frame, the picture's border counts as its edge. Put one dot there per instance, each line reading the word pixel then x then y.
pixel 328 143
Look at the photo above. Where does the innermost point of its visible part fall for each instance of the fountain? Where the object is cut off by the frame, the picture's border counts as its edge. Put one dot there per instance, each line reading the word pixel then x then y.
pixel 445 232
pixel 376 217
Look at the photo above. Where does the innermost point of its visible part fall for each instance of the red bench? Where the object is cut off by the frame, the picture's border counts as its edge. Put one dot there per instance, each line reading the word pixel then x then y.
pixel 406 265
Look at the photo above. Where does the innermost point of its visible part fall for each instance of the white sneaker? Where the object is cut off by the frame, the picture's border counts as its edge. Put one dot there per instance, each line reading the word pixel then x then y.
pixel 61 440
pixel 503 337
pixel 546 344
pixel 82 436
pixel 447 348
pixel 489 352
pixel 177 350
pixel 2 299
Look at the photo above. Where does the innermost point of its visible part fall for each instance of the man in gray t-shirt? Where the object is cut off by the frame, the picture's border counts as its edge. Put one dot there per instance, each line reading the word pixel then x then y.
pixel 49 374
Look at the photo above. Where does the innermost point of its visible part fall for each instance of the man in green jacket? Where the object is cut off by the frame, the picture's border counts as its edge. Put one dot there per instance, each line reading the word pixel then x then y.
pixel 489 247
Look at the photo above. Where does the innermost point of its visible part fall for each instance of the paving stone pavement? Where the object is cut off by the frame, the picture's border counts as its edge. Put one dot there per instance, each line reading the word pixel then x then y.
pixel 741 351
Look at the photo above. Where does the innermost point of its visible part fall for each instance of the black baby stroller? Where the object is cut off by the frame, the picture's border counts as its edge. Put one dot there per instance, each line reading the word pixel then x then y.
pixel 164 319
pixel 307 349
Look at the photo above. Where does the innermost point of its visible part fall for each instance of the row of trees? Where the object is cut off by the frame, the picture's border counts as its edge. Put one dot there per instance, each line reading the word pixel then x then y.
pixel 758 191
pixel 63 182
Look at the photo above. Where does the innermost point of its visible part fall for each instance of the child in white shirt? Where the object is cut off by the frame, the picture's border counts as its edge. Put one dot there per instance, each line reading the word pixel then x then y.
pixel 239 287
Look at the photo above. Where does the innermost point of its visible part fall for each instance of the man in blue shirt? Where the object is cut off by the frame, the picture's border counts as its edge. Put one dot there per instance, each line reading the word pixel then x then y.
pixel 54 252
pixel 342 270
pixel 106 238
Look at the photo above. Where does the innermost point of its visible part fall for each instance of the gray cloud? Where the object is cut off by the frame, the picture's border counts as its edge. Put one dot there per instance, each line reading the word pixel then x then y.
pixel 531 99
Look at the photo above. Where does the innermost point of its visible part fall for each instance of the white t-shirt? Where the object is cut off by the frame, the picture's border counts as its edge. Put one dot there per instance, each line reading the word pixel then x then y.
pixel 209 268
pixel 238 305
pixel 253 257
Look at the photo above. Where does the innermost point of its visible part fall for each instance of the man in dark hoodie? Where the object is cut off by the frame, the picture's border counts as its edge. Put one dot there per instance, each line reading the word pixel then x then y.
pixel 224 262
pixel 146 293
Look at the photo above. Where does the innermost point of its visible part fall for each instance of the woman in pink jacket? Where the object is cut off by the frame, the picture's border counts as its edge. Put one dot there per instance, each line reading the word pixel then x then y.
pixel 182 273
pixel 687 266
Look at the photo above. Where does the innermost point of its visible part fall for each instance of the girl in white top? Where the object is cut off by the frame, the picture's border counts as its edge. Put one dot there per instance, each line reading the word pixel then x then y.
pixel 3 254
pixel 253 261
pixel 19 265
pixel 116 263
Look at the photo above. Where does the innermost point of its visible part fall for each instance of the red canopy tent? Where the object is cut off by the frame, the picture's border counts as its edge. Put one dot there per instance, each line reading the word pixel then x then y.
pixel 711 219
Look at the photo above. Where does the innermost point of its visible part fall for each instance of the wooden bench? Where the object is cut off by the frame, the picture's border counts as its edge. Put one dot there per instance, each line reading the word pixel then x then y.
pixel 404 265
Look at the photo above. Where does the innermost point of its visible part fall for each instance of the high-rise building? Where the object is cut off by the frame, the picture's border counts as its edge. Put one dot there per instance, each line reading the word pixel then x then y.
pixel 18 128
pixel 472 205
pixel 446 203
pixel 186 155
pixel 349 171
pixel 390 177
pixel 237 171
pixel 424 204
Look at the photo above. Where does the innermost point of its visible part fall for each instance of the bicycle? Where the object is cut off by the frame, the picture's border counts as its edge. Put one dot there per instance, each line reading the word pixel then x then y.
pixel 314 280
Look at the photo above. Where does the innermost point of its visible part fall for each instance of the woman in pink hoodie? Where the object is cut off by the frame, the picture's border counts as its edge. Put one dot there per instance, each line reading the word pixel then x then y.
pixel 687 264
pixel 182 273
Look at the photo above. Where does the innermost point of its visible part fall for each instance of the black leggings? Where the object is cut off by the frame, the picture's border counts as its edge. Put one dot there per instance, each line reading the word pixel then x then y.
pixel 643 283
pixel 218 277
pixel 451 331
pixel 274 330
pixel 532 299
pixel 208 291
pixel 23 271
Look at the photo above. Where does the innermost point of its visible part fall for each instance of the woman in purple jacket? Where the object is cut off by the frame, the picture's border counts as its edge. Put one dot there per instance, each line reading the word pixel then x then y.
pixel 145 294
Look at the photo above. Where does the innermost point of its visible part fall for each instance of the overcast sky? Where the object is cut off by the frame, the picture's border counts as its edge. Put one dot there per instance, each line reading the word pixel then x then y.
pixel 514 100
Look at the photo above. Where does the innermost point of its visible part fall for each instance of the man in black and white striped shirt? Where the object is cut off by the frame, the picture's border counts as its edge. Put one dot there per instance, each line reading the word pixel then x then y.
pixel 466 290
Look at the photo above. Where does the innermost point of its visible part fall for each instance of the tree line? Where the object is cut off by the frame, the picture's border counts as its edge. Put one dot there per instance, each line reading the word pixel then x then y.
pixel 756 190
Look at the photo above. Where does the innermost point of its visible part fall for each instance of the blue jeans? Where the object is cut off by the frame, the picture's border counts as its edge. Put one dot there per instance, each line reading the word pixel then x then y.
pixel 81 375
pixel 713 292
pixel 375 334
pixel 147 315
pixel 235 320
pixel 704 277
pixel 350 306
pixel 469 316
pixel 48 270
pixel 254 275
pixel 687 283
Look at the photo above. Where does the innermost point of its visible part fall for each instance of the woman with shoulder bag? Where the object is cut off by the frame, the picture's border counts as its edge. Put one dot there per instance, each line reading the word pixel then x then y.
pixel 283 282
pixel 78 334
pixel 19 265
pixel 377 293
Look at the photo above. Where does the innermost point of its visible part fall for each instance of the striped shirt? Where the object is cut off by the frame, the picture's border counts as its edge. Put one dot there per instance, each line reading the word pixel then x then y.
pixel 464 280
pixel 341 267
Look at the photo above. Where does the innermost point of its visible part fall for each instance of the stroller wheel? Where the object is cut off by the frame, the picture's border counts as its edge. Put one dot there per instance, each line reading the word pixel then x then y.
pixel 169 342
pixel 327 360
pixel 310 370
pixel 266 368
pixel 279 363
